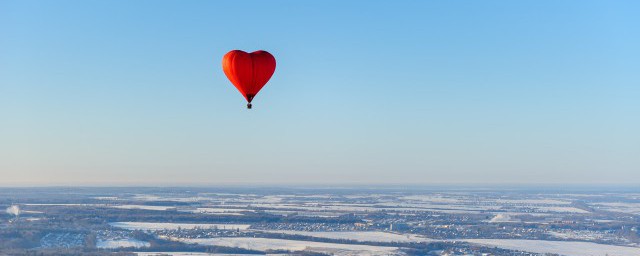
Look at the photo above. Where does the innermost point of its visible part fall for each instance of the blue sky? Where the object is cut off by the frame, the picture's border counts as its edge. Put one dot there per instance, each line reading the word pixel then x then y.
pixel 132 92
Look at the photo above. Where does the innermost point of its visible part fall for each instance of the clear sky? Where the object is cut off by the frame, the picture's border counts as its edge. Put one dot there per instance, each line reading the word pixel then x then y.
pixel 132 92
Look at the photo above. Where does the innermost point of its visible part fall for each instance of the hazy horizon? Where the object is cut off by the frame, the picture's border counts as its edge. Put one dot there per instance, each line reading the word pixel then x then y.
pixel 106 93
pixel 345 185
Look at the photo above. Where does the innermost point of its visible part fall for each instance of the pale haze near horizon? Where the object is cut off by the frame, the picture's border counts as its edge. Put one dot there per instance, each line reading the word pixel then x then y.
pixel 126 93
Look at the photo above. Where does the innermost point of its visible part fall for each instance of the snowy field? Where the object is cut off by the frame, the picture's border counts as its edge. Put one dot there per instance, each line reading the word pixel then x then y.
pixel 503 218
pixel 529 201
pixel 105 197
pixel 112 244
pixel 88 205
pixel 631 208
pixel 364 236
pixel 560 209
pixel 584 235
pixel 437 205
pixel 155 198
pixel 263 244
pixel 431 198
pixel 559 247
pixel 192 254
pixel 164 225
pixel 126 206
pixel 348 208
pixel 221 211
pixel 143 207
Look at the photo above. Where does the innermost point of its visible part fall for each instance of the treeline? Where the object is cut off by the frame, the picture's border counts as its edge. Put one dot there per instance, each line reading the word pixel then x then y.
pixel 100 215
pixel 416 245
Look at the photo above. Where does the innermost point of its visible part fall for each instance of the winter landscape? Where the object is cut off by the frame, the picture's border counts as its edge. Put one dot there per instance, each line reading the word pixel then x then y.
pixel 321 221
pixel 319 127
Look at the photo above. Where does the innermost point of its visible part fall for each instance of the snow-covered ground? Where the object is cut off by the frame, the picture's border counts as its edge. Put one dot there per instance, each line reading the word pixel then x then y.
pixel 522 206
pixel 379 207
pixel 370 236
pixel 578 234
pixel 195 254
pixel 263 244
pixel 503 218
pixel 560 209
pixel 30 212
pixel 221 211
pixel 110 244
pixel 559 247
pixel 105 197
pixel 164 225
pixel 152 198
pixel 632 208
pixel 431 198
pixel 88 205
pixel 529 201
pixel 126 206
pixel 143 207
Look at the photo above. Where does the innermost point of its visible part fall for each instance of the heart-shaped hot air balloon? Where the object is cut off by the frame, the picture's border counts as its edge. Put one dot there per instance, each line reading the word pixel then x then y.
pixel 249 72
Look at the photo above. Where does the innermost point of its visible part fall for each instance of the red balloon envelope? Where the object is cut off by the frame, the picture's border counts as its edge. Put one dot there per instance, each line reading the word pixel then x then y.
pixel 249 72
